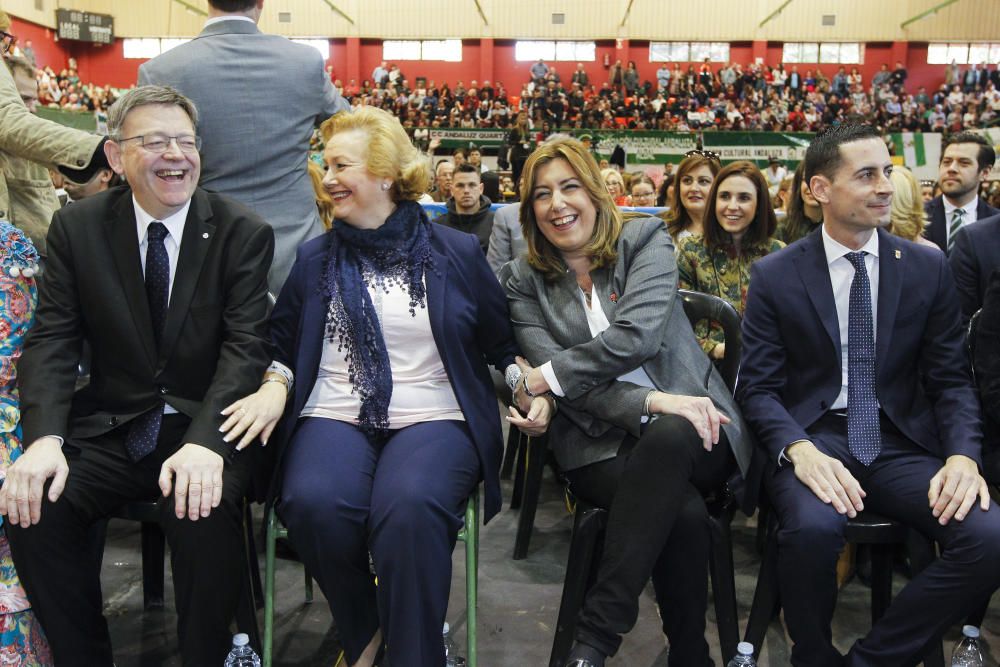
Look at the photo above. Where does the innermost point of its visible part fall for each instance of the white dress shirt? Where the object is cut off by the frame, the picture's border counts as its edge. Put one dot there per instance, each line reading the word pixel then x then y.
pixel 229 17
pixel 841 277
pixel 175 232
pixel 971 214
pixel 597 322
pixel 421 390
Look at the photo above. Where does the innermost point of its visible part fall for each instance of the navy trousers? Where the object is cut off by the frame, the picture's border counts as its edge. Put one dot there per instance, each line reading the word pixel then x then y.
pixel 401 499
pixel 811 536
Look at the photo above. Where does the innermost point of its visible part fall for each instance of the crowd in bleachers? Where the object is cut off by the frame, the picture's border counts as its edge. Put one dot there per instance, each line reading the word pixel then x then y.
pixel 706 96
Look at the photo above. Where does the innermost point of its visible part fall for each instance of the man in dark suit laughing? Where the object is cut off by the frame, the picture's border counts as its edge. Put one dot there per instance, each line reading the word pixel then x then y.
pixel 168 286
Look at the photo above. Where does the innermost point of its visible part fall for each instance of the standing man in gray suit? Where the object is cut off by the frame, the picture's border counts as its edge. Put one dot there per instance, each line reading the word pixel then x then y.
pixel 259 97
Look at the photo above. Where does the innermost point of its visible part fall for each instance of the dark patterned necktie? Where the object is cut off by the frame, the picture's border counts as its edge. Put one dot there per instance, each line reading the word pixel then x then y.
pixel 864 437
pixel 956 224
pixel 145 429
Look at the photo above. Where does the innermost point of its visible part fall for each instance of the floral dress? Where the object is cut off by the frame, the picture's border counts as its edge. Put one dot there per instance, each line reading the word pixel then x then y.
pixel 722 273
pixel 22 643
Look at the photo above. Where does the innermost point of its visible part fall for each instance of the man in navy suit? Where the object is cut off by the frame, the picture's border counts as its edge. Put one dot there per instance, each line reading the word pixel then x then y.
pixel 973 259
pixel 965 163
pixel 859 389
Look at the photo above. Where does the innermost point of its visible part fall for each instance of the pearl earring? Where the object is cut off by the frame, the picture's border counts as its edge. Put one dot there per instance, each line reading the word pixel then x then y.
pixel 385 186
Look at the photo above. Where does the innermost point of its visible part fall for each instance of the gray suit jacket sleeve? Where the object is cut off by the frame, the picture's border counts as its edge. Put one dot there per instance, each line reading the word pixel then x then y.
pixel 636 333
pixel 506 242
pixel 615 402
pixel 332 100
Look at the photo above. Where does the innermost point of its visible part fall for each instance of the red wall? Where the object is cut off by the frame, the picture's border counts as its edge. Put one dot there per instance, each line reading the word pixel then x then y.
pixel 43 40
pixel 106 65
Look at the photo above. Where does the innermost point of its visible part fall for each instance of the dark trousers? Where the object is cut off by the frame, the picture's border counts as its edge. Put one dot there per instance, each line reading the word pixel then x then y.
pixel 402 500
pixel 658 526
pixel 206 555
pixel 811 536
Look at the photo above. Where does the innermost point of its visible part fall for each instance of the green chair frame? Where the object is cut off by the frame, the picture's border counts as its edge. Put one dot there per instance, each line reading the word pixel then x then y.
pixel 468 534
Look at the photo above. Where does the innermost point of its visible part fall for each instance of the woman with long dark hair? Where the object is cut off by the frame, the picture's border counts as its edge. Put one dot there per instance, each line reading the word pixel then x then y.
pixel 739 230
pixel 691 186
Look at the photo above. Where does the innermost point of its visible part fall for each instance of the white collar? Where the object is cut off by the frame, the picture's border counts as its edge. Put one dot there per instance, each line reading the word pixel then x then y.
pixel 174 223
pixel 835 250
pixel 970 208
pixel 228 17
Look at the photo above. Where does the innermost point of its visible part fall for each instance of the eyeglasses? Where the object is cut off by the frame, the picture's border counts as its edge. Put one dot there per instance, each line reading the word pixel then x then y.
pixel 927 184
pixel 643 195
pixel 708 155
pixel 159 143
pixel 7 41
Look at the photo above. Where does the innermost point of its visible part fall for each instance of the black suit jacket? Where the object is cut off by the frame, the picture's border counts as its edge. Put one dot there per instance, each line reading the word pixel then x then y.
pixel 987 365
pixel 213 348
pixel 974 257
pixel 937 230
pixel 791 372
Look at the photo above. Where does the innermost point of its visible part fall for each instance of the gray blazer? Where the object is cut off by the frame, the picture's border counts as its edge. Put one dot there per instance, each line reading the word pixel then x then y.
pixel 506 242
pixel 648 328
pixel 259 97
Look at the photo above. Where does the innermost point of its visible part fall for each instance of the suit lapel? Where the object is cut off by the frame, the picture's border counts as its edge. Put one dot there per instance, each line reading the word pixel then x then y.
pixel 124 242
pixel 436 281
pixel 889 287
pixel 196 240
pixel 815 274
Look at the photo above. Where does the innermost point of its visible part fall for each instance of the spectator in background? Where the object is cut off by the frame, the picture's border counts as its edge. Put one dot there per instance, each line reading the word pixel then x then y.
pixel 804 214
pixel 739 230
pixel 539 70
pixel 691 187
pixel 253 151
pixel 966 161
pixel 907 219
pixel 643 191
pixel 580 77
pixel 927 188
pixel 442 180
pixel 468 209
pixel 616 186
pixel 103 179
pixel 775 173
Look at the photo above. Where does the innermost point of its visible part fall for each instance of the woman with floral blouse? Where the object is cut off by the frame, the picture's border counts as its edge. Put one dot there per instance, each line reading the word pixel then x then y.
pixel 739 229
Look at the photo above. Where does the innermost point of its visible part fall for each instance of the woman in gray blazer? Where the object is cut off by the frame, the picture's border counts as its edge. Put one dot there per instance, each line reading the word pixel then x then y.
pixel 645 425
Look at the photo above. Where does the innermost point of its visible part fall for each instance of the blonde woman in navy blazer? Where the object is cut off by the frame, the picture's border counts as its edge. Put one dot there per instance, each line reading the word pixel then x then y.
pixel 385 435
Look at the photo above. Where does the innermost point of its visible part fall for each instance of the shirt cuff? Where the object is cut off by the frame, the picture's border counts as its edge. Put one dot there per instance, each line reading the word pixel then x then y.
pixel 282 370
pixel 550 379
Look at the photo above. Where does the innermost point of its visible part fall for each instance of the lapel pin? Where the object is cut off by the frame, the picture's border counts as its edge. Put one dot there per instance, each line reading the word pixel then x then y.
pixel 205 236
pixel 614 297
pixel 899 254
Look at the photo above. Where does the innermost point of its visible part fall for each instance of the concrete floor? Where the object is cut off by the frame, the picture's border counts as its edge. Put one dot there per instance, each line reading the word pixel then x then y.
pixel 518 603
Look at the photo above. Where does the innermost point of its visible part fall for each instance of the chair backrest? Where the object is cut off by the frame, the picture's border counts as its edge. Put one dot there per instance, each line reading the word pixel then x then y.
pixel 699 307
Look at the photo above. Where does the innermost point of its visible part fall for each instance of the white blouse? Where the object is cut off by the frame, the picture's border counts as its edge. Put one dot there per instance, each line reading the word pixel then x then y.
pixel 421 390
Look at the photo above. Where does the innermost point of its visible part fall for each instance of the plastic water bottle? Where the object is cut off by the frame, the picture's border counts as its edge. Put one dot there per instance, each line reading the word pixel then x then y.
pixel 449 647
pixel 743 657
pixel 450 656
pixel 242 654
pixel 966 652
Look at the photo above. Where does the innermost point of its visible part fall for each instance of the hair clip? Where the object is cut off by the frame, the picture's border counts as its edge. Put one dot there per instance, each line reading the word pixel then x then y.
pixel 708 155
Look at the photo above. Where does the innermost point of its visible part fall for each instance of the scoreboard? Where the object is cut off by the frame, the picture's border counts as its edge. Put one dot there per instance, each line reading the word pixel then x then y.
pixel 84 26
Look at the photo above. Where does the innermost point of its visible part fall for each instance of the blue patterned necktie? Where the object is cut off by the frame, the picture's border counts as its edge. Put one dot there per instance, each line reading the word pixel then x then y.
pixel 145 429
pixel 864 437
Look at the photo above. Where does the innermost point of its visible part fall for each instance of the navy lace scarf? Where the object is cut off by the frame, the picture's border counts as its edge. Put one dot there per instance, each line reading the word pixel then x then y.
pixel 397 253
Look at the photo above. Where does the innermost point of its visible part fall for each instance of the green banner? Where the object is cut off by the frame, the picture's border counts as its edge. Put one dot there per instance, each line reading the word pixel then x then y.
pixel 758 147
pixel 642 147
pixel 461 138
pixel 80 120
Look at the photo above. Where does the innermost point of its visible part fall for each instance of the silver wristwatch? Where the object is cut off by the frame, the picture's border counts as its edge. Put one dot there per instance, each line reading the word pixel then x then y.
pixel 512 375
